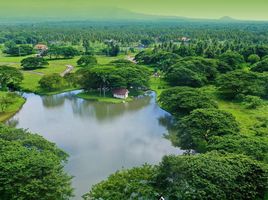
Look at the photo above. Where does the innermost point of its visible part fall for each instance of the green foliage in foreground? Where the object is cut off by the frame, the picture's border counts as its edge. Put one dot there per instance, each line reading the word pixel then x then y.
pixel 31 167
pixel 183 100
pixel 126 184
pixel 203 177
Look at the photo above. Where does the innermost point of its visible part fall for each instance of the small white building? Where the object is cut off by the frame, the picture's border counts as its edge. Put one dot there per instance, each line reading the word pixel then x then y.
pixel 120 93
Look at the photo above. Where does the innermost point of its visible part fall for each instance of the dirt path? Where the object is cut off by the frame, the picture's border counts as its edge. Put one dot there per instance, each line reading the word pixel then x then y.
pixel 33 72
pixel 67 70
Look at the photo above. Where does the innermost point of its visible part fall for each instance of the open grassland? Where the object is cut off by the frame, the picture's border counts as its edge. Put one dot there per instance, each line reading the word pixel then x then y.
pixel 18 102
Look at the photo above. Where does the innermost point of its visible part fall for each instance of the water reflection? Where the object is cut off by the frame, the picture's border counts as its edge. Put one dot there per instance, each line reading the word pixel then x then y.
pixel 100 138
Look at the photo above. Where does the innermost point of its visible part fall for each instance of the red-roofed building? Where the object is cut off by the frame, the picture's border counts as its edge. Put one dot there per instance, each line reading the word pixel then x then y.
pixel 41 47
pixel 121 93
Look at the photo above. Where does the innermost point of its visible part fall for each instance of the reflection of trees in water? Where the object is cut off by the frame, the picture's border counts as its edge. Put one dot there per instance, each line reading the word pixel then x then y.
pixel 53 101
pixel 170 123
pixel 105 111
pixel 13 122
pixel 57 100
pixel 98 110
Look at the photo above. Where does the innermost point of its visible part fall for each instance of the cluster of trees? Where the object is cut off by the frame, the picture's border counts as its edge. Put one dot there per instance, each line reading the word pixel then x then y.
pixel 204 177
pixel 33 63
pixel 62 52
pixel 87 61
pixel 111 49
pixel 31 167
pixel 92 77
pixel 12 49
pixel 106 78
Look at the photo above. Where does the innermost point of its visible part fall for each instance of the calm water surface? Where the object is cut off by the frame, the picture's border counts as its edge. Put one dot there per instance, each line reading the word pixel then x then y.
pixel 100 138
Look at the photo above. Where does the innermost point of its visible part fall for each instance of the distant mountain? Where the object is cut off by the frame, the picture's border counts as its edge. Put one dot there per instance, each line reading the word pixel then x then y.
pixel 227 18
pixel 98 14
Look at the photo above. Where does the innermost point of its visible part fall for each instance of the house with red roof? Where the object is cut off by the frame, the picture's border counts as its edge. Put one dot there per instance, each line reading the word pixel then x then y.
pixel 121 93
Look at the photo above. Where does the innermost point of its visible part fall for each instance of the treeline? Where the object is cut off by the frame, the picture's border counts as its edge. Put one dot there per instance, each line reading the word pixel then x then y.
pixel 129 33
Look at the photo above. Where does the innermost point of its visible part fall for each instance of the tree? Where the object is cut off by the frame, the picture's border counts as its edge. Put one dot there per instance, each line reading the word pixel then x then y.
pixel 33 63
pixel 52 82
pixel 68 52
pixel 18 50
pixel 254 146
pixel 183 100
pixel 31 167
pixel 192 71
pixel 211 176
pixel 184 51
pixel 261 51
pixel 236 83
pixel 196 129
pixel 86 61
pixel 108 77
pixel 182 76
pixel 10 78
pixel 233 59
pixel 147 41
pixel 223 67
pixel 261 66
pixel 253 58
pixel 65 52
pixel 252 102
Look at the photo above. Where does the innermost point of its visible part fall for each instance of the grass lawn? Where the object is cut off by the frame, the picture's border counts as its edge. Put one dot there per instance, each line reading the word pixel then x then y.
pixel 12 109
pixel 103 60
pixel 247 118
pixel 32 77
pixel 95 96
pixel 158 85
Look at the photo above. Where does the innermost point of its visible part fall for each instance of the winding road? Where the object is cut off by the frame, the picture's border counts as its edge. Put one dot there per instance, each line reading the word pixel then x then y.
pixel 67 70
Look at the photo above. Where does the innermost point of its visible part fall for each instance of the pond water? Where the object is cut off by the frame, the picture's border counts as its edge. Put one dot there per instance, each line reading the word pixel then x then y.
pixel 100 138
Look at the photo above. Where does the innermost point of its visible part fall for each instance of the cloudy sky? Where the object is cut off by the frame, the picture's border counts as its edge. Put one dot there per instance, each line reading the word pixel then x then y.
pixel 211 9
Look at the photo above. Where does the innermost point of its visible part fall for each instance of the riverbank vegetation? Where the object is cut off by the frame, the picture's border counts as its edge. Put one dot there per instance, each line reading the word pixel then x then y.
pixel 10 103
pixel 212 78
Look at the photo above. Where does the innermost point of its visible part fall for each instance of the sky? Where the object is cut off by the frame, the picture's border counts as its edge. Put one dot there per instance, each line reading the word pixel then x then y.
pixel 205 9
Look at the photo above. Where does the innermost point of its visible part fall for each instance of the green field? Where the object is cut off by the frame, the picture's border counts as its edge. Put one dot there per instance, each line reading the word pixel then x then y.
pixel 12 109
pixel 32 77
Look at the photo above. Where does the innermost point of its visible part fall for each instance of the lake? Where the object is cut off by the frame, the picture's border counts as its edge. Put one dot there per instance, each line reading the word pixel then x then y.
pixel 100 138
